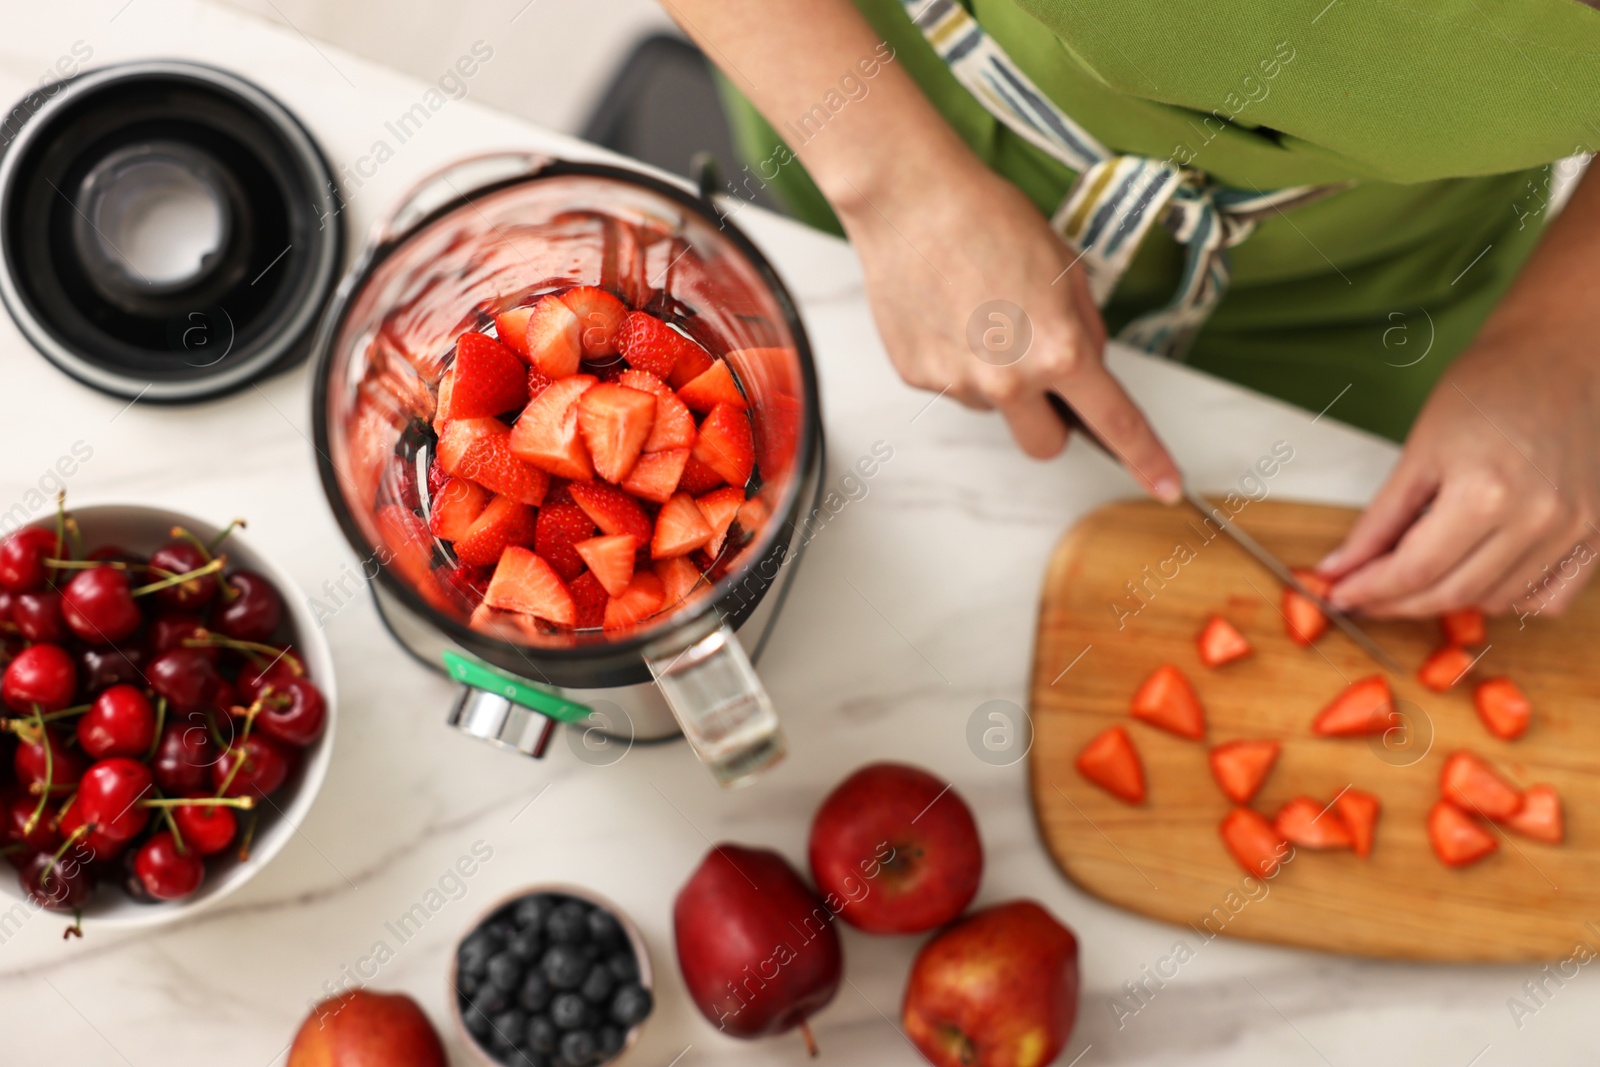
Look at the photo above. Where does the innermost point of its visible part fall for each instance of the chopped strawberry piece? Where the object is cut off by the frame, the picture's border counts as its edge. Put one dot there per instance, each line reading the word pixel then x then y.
pixel 693 361
pixel 1111 762
pixel 697 478
pixel 468 583
pixel 487 378
pixel 615 422
pixel 441 407
pixel 1359 811
pixel 1504 709
pixel 1302 618
pixel 651 345
pixel 614 511
pixel 600 317
pixel 456 507
pixel 610 560
pixel 559 529
pixel 726 445
pixel 753 515
pixel 538 382
pixel 1540 817
pixel 678 579
pixel 525 584
pixel 1465 626
pixel 1310 824
pixel 719 508
pixel 482 450
pixel 1471 784
pixel 410 547
pixel 437 476
pixel 554 338
pixel 512 329
pixel 674 426
pixel 638 602
pixel 1241 766
pixel 546 434
pixel 655 474
pixel 1363 707
pixel 1254 843
pixel 680 528
pixel 589 598
pixel 1221 642
pixel 1457 838
pixel 504 522
pixel 1167 700
pixel 716 385
pixel 1445 667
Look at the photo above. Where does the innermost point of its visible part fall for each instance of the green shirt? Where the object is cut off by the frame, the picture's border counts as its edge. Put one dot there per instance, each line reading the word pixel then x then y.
pixel 1446 116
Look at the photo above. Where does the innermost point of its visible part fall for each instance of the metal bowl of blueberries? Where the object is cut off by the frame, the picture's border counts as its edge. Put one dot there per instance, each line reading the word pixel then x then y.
pixel 555 976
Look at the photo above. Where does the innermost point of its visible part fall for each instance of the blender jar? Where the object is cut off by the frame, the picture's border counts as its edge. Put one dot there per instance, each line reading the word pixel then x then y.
pixel 496 232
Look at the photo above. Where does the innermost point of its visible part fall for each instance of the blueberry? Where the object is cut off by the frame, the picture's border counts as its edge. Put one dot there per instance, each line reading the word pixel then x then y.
pixel 570 1011
pixel 527 946
pixel 505 971
pixel 623 966
pixel 604 928
pixel 473 955
pixel 598 987
pixel 578 1048
pixel 476 1022
pixel 568 924
pixel 468 983
pixel 631 1005
pixel 611 1039
pixel 498 931
pixel 541 1035
pixel 565 967
pixel 508 1028
pixel 535 992
pixel 530 913
pixel 491 1001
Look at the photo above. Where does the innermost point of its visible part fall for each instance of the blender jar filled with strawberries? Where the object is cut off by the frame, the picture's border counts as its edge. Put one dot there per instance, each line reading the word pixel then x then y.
pixel 570 417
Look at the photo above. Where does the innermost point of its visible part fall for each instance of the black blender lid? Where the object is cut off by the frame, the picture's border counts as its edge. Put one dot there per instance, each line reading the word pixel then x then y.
pixel 168 230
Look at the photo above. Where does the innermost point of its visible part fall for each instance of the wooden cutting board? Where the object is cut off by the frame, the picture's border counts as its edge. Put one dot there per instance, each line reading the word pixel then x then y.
pixel 1528 901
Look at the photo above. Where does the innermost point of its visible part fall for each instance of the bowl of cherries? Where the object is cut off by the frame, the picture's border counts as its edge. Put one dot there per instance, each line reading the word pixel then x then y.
pixel 166 713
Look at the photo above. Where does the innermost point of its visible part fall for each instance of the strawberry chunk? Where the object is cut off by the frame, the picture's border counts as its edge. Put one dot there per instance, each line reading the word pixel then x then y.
pixel 680 528
pixel 1241 766
pixel 1445 667
pixel 504 523
pixel 1302 618
pixel 610 559
pixel 638 602
pixel 487 378
pixel 525 584
pixel 538 382
pixel 1363 707
pixel 589 597
pixel 410 547
pixel 1464 626
pixel 693 361
pixel 715 385
pixel 655 475
pixel 697 478
pixel 1540 816
pixel 614 511
pixel 1468 782
pixel 1254 843
pixel 456 507
pixel 600 318
pixel 512 329
pixel 726 445
pixel 678 579
pixel 615 422
pixel 719 508
pixel 1111 762
pixel 674 425
pixel 554 338
pixel 1457 838
pixel 1504 709
pixel 1167 700
pixel 651 345
pixel 559 529
pixel 481 450
pixel 1310 824
pixel 1221 642
pixel 546 434
pixel 1359 811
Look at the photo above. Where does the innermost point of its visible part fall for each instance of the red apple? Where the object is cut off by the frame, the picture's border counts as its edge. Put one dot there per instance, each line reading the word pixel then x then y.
pixel 365 1029
pixel 757 948
pixel 894 850
pixel 997 989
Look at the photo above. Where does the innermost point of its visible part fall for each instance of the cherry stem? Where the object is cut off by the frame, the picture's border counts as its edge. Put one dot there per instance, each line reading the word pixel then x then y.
pixel 248 836
pixel 76 929
pixel 161 722
pixel 811 1040
pixel 178 579
pixel 255 650
pixel 181 534
pixel 61 520
pixel 72 839
pixel 227 531
pixel 65 713
pixel 243 803
pixel 49 774
pixel 172 824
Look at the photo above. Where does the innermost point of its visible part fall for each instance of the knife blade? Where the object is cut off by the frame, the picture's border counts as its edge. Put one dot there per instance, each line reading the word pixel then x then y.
pixel 1244 540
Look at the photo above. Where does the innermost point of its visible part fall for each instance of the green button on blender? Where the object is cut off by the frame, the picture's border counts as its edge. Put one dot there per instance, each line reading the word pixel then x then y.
pixel 478 675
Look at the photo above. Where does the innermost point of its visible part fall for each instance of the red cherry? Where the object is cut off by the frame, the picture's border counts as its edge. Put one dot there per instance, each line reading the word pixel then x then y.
pixel 99 607
pixel 66 765
pixel 168 872
pixel 254 612
pixel 264 764
pixel 281 668
pixel 101 668
pixel 121 722
pixel 206 828
pixel 184 756
pixel 8 604
pixel 45 835
pixel 109 795
pixel 22 557
pixel 114 554
pixel 186 677
pixel 41 674
pixel 172 630
pixel 57 885
pixel 38 616
pixel 293 711
pixel 181 557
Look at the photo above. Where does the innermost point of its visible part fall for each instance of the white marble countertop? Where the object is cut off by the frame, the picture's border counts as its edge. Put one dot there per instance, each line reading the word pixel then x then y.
pixel 945 555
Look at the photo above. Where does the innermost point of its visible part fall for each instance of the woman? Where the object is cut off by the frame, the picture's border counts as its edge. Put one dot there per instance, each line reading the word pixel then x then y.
pixel 1396 269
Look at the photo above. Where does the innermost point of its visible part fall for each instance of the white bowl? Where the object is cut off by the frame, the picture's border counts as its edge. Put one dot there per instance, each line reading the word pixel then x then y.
pixel 143 530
